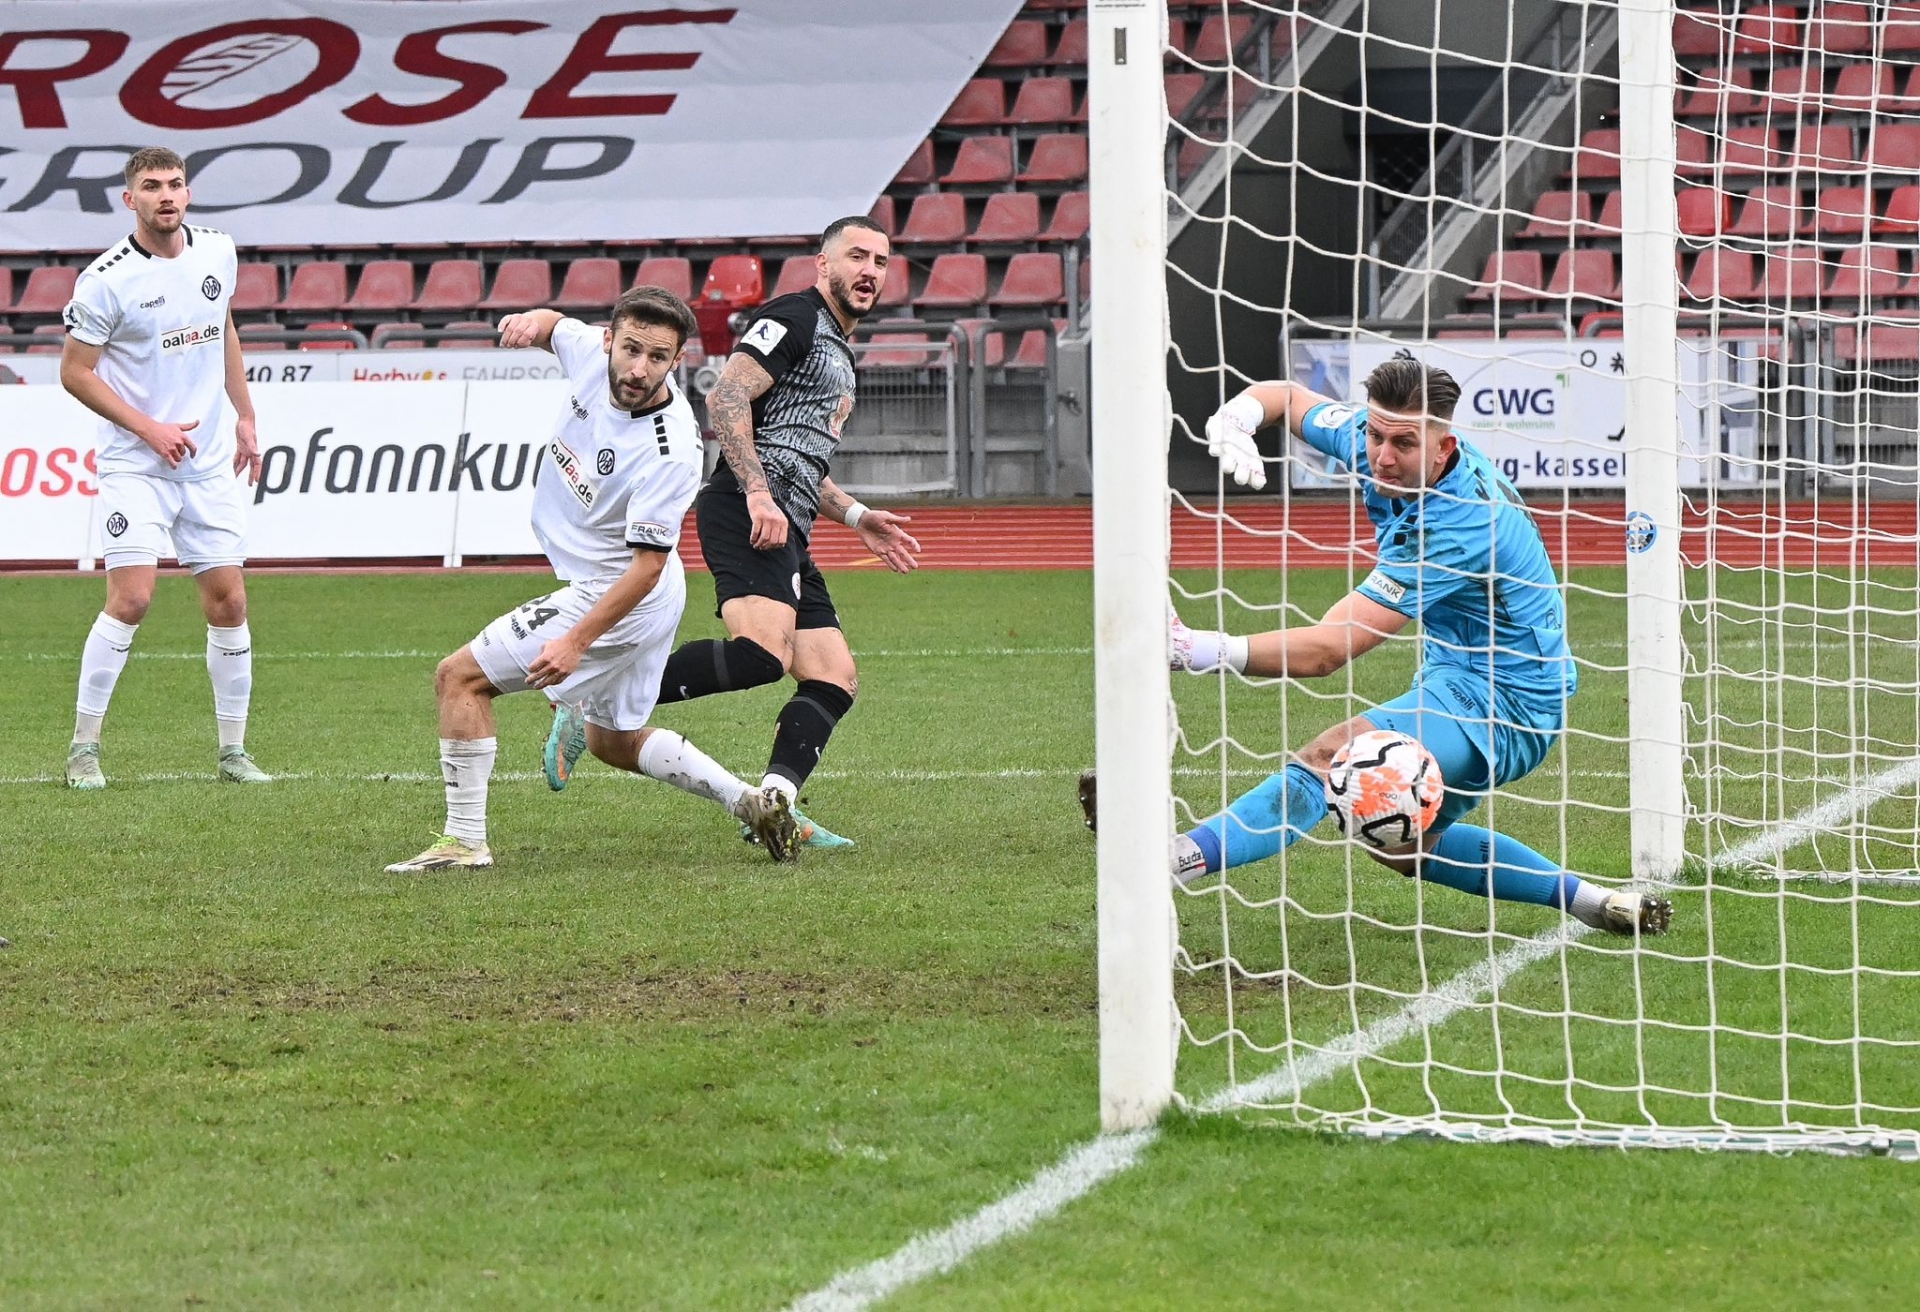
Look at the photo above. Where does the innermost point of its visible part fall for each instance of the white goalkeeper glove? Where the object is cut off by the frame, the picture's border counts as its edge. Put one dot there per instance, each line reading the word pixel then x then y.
pixel 1201 651
pixel 1230 440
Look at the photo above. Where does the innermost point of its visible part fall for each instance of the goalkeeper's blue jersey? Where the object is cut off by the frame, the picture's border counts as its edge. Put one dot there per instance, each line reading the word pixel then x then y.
pixel 1465 559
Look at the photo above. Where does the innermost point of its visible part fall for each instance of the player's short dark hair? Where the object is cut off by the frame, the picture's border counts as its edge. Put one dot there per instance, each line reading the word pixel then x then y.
pixel 152 159
pixel 655 307
pixel 1406 385
pixel 839 226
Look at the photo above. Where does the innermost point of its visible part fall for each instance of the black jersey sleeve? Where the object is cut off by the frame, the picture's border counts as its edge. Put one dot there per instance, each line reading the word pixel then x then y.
pixel 781 334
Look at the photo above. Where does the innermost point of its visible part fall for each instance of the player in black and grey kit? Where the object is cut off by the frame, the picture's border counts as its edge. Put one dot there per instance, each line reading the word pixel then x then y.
pixel 778 409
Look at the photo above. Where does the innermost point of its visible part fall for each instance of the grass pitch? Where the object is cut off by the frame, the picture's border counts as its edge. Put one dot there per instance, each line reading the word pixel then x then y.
pixel 637 1065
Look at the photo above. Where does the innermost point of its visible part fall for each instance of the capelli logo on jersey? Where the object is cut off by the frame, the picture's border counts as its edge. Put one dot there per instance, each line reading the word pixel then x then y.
pixel 569 466
pixel 153 304
pixel 176 340
pixel 579 411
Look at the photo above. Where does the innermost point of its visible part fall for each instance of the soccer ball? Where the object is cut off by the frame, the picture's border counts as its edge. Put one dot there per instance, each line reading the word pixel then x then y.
pixel 1384 788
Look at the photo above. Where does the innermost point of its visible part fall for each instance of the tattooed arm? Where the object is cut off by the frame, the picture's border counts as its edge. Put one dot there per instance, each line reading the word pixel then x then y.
pixel 880 530
pixel 730 409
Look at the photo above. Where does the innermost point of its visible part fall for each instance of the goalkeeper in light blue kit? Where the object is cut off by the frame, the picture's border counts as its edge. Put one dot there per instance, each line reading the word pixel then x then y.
pixel 1458 552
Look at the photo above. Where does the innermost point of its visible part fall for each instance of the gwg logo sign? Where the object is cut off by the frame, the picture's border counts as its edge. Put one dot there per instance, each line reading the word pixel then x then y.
pixel 1514 402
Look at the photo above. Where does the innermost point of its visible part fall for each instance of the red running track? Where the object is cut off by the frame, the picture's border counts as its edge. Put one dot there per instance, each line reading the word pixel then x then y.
pixel 1255 533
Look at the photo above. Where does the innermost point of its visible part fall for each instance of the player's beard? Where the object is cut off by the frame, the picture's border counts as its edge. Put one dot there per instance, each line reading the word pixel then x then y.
pixel 652 397
pixel 842 292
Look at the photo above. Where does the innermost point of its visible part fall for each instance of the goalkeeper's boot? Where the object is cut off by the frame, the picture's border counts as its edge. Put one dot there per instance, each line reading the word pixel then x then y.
pixel 83 767
pixel 236 767
pixel 812 834
pixel 1629 914
pixel 565 743
pixel 447 853
pixel 769 815
pixel 1089 800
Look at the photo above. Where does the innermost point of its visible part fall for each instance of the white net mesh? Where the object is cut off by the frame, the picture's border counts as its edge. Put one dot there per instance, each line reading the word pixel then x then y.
pixel 1445 179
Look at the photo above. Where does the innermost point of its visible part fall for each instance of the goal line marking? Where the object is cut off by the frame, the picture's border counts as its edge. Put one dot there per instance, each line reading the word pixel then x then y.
pixel 1088 1165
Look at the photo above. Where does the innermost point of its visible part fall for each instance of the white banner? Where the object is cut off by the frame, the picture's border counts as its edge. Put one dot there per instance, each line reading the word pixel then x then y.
pixel 344 121
pixel 1551 412
pixel 348 471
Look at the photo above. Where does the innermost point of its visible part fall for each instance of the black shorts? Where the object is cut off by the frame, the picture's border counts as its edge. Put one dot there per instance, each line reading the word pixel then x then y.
pixel 785 574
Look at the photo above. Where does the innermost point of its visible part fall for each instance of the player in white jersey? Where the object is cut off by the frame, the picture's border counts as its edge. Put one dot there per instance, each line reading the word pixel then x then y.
pixel 151 350
pixel 614 486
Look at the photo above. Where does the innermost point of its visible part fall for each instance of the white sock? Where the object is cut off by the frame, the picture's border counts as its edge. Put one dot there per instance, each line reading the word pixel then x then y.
pixel 671 759
pixel 1189 862
pixel 781 784
pixel 101 660
pixel 466 764
pixel 1589 903
pixel 230 666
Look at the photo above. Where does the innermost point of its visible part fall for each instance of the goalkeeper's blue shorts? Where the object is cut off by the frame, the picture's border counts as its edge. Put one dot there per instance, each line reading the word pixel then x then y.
pixel 1480 738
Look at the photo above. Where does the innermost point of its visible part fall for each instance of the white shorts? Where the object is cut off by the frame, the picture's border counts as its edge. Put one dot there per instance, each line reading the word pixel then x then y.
pixel 618 679
pixel 202 524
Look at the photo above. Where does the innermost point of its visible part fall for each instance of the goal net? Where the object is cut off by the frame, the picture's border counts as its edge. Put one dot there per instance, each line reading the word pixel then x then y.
pixel 1667 252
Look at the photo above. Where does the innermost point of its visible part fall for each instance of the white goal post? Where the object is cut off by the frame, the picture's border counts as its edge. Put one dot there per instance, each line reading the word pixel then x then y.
pixel 1684 234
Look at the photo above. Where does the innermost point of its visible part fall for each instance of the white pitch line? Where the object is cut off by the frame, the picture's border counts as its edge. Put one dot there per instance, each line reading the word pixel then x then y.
pixel 1084 1168
pixel 903 653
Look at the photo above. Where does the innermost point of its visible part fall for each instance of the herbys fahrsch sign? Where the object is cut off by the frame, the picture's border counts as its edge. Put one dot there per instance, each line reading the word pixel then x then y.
pixel 349 121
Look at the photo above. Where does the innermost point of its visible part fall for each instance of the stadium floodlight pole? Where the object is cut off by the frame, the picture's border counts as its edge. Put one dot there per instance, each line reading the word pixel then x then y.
pixel 1656 715
pixel 1133 718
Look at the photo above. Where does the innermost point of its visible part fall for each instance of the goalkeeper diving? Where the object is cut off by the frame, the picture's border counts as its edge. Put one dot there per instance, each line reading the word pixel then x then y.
pixel 1457 551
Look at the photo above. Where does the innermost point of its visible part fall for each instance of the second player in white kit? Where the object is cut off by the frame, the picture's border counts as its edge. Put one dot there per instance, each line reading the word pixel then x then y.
pixel 615 483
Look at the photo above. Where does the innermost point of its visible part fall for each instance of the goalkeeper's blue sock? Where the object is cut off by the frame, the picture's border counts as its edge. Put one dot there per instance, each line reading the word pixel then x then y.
pixel 1259 823
pixel 1467 854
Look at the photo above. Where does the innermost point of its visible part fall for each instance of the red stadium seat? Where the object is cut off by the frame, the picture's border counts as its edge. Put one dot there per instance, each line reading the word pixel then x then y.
pixel 1867 272
pixel 1585 275
pixel 1768 30
pixel 1902 212
pixel 476 343
pixel 1750 150
pixel 1693 151
pixel 903 356
pixel 1770 212
pixel 521 284
pixel 1894 148
pixel 1698 33
pixel 6 286
pixel 883 214
pixel 1886 343
pixel 1058 158
pixel 256 286
pixel 982 161
pixel 1841 29
pixel 738 281
pixel 1218 37
pixel 340 345
pixel 1703 211
pixel 1032 279
pixel 592 283
pixel 383 285
pixel 799 272
pixel 897 290
pixel 1023 43
pixel 1071 48
pixel 455 285
pixel 249 331
pixel 1863 87
pixel 937 219
pixel 1793 276
pixel 1608 224
pixel 956 282
pixel 673 272
pixel 1841 212
pixel 1901 27
pixel 1070 218
pixel 1042 100
pixel 1599 155
pixel 1011 216
pixel 1560 215
pixel 918 170
pixel 1825 150
pixel 317 287
pixel 1181 90
pixel 1032 352
pixel 48 339
pixel 981 103
pixel 1720 93
pixel 48 290
pixel 1722 273
pixel 1512 275
pixel 1800 89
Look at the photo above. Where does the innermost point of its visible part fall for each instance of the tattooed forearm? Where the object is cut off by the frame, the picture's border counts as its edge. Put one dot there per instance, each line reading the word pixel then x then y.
pixel 834 503
pixel 730 408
